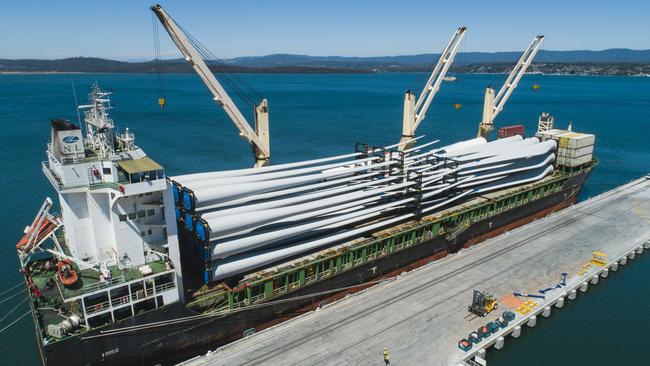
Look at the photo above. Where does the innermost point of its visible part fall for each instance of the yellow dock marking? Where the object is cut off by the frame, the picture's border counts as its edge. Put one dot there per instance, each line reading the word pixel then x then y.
pixel 584 269
pixel 526 307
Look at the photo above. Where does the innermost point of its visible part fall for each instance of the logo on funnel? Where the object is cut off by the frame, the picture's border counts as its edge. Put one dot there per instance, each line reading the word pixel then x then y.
pixel 70 139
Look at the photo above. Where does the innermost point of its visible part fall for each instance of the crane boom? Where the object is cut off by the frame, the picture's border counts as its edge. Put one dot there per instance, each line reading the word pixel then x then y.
pixel 415 111
pixel 258 138
pixel 493 105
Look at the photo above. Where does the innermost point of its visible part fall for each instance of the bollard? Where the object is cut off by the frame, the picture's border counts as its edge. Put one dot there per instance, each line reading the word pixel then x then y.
pixel 516 331
pixel 532 321
pixel 614 266
pixel 604 273
pixel 639 250
pixel 632 255
pixel 559 303
pixel 546 312
pixel 623 261
pixel 499 343
pixel 594 280
pixel 481 353
pixel 584 287
pixel 572 295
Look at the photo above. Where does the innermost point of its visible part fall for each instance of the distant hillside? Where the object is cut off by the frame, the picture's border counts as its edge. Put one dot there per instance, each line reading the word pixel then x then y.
pixel 278 63
pixel 424 60
pixel 92 64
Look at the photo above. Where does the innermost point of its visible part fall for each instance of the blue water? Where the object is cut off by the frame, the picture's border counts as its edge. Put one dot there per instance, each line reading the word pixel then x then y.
pixel 317 115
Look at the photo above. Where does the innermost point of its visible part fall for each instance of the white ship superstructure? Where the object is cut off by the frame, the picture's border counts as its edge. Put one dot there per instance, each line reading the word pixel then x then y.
pixel 119 227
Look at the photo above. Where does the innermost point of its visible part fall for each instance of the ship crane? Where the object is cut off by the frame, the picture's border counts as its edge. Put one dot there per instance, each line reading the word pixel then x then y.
pixel 494 105
pixel 258 138
pixel 415 111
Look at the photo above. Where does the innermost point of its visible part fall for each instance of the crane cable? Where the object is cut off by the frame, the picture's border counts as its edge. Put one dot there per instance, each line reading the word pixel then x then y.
pixel 537 79
pixel 231 80
pixel 157 68
pixel 461 55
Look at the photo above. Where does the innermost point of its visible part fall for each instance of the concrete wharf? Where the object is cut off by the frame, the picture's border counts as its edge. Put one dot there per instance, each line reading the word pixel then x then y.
pixel 420 316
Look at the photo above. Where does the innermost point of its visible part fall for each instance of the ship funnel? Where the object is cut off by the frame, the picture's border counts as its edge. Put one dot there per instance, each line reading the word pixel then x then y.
pixel 67 143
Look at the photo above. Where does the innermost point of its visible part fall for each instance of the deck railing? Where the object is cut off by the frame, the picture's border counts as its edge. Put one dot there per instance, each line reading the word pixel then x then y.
pixel 92 186
pixel 96 308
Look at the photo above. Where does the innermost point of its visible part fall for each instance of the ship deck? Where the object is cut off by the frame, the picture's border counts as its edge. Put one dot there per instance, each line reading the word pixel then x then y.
pixel 89 281
pixel 420 316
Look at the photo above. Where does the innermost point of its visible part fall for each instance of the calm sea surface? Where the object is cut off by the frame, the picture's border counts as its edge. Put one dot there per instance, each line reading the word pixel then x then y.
pixel 320 115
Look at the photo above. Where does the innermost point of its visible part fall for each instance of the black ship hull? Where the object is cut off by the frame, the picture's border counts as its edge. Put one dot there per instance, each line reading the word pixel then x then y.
pixel 176 342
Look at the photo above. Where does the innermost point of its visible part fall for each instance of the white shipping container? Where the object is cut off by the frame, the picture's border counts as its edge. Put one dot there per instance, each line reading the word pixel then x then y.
pixel 575 140
pixel 572 153
pixel 573 162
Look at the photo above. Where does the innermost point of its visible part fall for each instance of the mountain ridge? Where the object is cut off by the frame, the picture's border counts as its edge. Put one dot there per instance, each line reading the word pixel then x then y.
pixel 283 62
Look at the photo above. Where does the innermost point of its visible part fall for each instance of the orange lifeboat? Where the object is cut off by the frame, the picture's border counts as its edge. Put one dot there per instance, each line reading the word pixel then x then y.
pixel 65 273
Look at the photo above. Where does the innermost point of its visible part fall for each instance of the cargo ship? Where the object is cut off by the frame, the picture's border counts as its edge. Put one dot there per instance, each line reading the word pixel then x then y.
pixel 141 268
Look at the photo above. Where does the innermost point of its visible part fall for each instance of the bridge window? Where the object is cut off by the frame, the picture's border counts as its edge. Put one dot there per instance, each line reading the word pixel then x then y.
pixel 99 320
pixel 145 305
pixel 122 313
pixel 120 296
pixel 137 291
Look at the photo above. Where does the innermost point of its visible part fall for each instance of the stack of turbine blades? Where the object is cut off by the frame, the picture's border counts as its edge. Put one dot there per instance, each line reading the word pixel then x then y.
pixel 250 218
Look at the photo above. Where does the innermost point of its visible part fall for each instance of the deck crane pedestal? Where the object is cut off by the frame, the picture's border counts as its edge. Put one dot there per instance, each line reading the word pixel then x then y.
pixel 494 104
pixel 415 111
pixel 258 138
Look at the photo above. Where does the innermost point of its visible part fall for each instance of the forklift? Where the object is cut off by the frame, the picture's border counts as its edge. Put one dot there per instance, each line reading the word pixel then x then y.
pixel 482 303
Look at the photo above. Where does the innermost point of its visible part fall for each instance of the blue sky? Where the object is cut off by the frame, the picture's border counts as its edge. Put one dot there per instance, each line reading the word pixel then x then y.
pixel 122 29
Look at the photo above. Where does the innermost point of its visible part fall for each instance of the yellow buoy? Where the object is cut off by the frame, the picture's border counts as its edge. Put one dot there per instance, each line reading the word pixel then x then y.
pixel 458 106
pixel 161 102
pixel 535 87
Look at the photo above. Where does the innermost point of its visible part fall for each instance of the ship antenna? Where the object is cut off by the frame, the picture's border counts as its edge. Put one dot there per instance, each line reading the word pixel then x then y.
pixel 76 103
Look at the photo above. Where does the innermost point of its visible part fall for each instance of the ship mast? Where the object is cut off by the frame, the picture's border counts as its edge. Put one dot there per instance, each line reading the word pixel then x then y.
pixel 493 105
pixel 258 138
pixel 414 112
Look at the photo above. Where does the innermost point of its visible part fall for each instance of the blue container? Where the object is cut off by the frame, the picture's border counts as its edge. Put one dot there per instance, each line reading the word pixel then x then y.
pixel 188 200
pixel 201 231
pixel 176 192
pixel 201 253
pixel 189 222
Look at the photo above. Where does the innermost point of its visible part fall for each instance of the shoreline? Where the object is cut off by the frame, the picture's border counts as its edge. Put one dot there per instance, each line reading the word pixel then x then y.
pixel 45 72
pixel 333 72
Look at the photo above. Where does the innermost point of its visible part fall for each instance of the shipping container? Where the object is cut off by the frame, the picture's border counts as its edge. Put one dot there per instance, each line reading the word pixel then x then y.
pixel 575 140
pixel 513 130
pixel 573 153
pixel 573 162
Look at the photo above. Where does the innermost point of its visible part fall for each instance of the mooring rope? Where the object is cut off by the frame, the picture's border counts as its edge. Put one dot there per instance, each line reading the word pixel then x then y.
pixel 5 291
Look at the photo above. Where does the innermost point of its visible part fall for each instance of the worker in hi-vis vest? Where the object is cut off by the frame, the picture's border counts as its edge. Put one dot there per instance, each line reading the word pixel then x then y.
pixel 386 357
